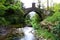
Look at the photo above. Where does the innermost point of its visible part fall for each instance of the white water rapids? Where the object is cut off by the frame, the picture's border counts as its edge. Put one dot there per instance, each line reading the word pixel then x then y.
pixel 28 33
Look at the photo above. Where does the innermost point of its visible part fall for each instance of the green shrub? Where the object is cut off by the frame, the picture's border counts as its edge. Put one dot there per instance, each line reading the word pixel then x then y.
pixel 11 12
pixel 55 17
pixel 45 34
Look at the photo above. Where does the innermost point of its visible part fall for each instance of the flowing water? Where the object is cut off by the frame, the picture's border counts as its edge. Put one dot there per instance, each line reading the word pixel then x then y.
pixel 28 33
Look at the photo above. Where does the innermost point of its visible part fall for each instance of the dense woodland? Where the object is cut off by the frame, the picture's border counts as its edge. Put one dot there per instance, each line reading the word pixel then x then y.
pixel 12 13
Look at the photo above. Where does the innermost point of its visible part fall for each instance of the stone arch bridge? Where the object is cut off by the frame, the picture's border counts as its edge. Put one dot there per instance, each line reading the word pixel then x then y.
pixel 35 9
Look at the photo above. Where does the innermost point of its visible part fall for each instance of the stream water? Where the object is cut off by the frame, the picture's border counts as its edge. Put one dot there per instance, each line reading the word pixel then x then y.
pixel 28 33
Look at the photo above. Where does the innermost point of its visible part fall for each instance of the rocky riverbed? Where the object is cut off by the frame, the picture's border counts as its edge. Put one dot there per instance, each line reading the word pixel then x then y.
pixel 26 33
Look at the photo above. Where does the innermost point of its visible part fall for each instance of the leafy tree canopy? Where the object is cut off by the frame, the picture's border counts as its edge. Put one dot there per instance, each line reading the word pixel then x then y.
pixel 11 12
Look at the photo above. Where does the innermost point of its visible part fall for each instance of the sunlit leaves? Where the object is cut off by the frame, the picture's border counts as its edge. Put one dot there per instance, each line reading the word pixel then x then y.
pixel 56 7
pixel 53 18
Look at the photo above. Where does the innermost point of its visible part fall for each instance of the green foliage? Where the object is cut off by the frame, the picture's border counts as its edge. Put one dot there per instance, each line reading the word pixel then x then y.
pixel 54 18
pixel 45 34
pixel 40 31
pixel 11 12
pixel 54 22
pixel 56 31
pixel 56 7
pixel 35 21
pixel 27 20
pixel 36 18
pixel 2 1
pixel 3 21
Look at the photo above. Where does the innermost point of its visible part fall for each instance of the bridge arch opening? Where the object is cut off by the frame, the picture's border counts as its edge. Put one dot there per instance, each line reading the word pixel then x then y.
pixel 32 13
pixel 29 17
